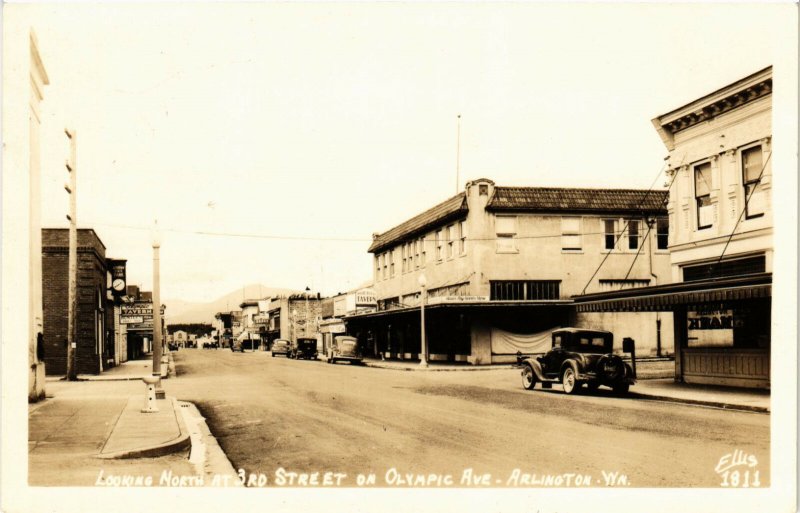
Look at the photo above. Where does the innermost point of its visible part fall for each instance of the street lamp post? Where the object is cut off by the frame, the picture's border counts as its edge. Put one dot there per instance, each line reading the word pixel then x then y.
pixel 157 312
pixel 423 358
pixel 305 326
pixel 294 324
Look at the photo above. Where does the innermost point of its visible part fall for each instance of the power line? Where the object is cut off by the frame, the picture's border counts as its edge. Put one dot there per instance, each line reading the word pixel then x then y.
pixel 619 236
pixel 746 202
pixel 324 239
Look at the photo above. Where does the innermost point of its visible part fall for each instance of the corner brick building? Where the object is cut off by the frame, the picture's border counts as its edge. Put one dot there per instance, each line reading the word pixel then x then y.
pixel 95 316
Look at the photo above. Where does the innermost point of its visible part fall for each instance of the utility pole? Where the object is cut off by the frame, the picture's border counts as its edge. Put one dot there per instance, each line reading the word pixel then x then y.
pixel 458 153
pixel 72 295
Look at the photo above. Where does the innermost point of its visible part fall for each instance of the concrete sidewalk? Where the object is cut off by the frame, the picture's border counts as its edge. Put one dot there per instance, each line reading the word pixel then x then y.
pixel 729 398
pixel 130 370
pixel 80 442
pixel 86 436
pixel 655 382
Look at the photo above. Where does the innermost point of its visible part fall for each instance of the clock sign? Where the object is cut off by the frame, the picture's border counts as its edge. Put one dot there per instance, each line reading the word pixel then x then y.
pixel 118 279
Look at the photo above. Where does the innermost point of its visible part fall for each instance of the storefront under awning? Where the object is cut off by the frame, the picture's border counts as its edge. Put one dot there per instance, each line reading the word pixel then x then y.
pixel 477 332
pixel 668 297
pixel 721 326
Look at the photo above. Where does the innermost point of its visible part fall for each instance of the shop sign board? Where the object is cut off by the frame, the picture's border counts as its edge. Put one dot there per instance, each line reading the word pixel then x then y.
pixel 710 328
pixel 457 299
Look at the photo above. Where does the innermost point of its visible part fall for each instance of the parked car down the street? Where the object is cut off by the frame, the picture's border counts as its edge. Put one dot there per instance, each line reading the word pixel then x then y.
pixel 304 347
pixel 344 348
pixel 281 346
pixel 580 357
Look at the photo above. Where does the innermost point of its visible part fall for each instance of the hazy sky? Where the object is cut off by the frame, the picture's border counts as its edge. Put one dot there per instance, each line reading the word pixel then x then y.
pixel 314 125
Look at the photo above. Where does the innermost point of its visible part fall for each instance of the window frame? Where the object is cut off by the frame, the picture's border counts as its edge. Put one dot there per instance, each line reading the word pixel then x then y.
pixel 439 245
pixel 631 236
pixel 754 183
pixel 462 237
pixel 572 233
pixel 506 236
pixel 451 232
pixel 613 234
pixel 662 235
pixel 700 199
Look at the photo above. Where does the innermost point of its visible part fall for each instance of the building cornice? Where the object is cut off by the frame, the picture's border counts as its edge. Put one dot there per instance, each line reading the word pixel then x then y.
pixel 735 95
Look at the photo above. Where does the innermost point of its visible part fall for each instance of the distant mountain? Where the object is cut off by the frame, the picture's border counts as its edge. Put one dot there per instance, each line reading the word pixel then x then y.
pixel 183 312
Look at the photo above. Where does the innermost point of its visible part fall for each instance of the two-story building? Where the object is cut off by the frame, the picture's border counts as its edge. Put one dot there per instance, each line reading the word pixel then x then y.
pixel 293 316
pixel 249 337
pixel 499 266
pixel 721 246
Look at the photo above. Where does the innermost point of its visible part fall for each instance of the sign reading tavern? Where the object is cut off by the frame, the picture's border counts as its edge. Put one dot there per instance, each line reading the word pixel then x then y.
pixel 137 312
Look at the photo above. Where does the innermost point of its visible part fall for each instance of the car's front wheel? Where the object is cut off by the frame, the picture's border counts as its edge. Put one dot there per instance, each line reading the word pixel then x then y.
pixel 570 381
pixel 528 377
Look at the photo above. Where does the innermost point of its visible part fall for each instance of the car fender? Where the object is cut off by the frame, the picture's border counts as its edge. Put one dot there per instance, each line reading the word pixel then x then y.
pixel 570 363
pixel 537 368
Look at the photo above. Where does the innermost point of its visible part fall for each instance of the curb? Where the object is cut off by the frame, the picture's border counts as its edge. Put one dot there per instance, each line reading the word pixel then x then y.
pixel 183 441
pixel 700 402
pixel 433 368
pixel 208 458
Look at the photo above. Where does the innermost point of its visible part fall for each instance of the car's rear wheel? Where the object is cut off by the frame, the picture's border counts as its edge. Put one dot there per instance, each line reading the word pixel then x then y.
pixel 570 381
pixel 621 388
pixel 528 377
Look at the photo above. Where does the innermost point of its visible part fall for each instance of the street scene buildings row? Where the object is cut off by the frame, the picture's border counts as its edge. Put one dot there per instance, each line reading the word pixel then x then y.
pixel 685 272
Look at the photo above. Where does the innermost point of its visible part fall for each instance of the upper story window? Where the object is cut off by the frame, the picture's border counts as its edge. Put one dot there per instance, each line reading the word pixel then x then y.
pixel 462 237
pixel 662 233
pixel 451 240
pixel 377 267
pixel 752 165
pixel 571 233
pixel 633 234
pixel 403 258
pixel 439 243
pixel 702 194
pixel 391 264
pixel 483 189
pixel 506 230
pixel 422 252
pixel 609 233
pixel 410 255
pixel 386 265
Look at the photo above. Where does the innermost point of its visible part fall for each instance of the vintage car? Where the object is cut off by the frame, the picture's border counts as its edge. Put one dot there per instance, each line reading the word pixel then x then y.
pixel 578 357
pixel 345 348
pixel 281 346
pixel 303 347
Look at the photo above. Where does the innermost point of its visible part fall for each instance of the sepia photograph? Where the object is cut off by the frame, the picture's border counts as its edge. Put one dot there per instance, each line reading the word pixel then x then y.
pixel 399 256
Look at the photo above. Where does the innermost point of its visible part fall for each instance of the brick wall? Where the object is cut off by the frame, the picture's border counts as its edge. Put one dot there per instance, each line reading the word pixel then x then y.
pixel 91 282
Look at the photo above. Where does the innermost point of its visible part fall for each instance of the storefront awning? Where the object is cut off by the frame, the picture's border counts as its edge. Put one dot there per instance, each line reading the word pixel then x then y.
pixel 668 297
pixel 483 305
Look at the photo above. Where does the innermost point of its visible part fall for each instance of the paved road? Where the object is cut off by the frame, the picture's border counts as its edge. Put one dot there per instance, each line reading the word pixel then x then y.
pixel 429 427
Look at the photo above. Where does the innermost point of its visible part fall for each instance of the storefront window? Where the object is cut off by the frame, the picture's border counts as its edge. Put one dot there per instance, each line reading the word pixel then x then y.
pixel 740 326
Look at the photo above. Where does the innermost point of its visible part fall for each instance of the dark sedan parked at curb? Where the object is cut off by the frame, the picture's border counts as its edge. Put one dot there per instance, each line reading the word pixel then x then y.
pixel 578 357
pixel 304 348
pixel 281 346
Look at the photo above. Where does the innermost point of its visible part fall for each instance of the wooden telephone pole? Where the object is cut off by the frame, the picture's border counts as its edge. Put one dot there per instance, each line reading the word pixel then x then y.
pixel 72 310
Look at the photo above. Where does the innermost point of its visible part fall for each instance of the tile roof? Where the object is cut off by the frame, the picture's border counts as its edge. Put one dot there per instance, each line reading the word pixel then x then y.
pixel 450 209
pixel 554 199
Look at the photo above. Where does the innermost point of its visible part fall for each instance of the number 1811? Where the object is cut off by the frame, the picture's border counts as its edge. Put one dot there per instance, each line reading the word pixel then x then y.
pixel 736 479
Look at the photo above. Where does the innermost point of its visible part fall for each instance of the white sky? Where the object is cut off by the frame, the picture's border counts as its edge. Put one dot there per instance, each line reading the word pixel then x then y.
pixel 333 121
